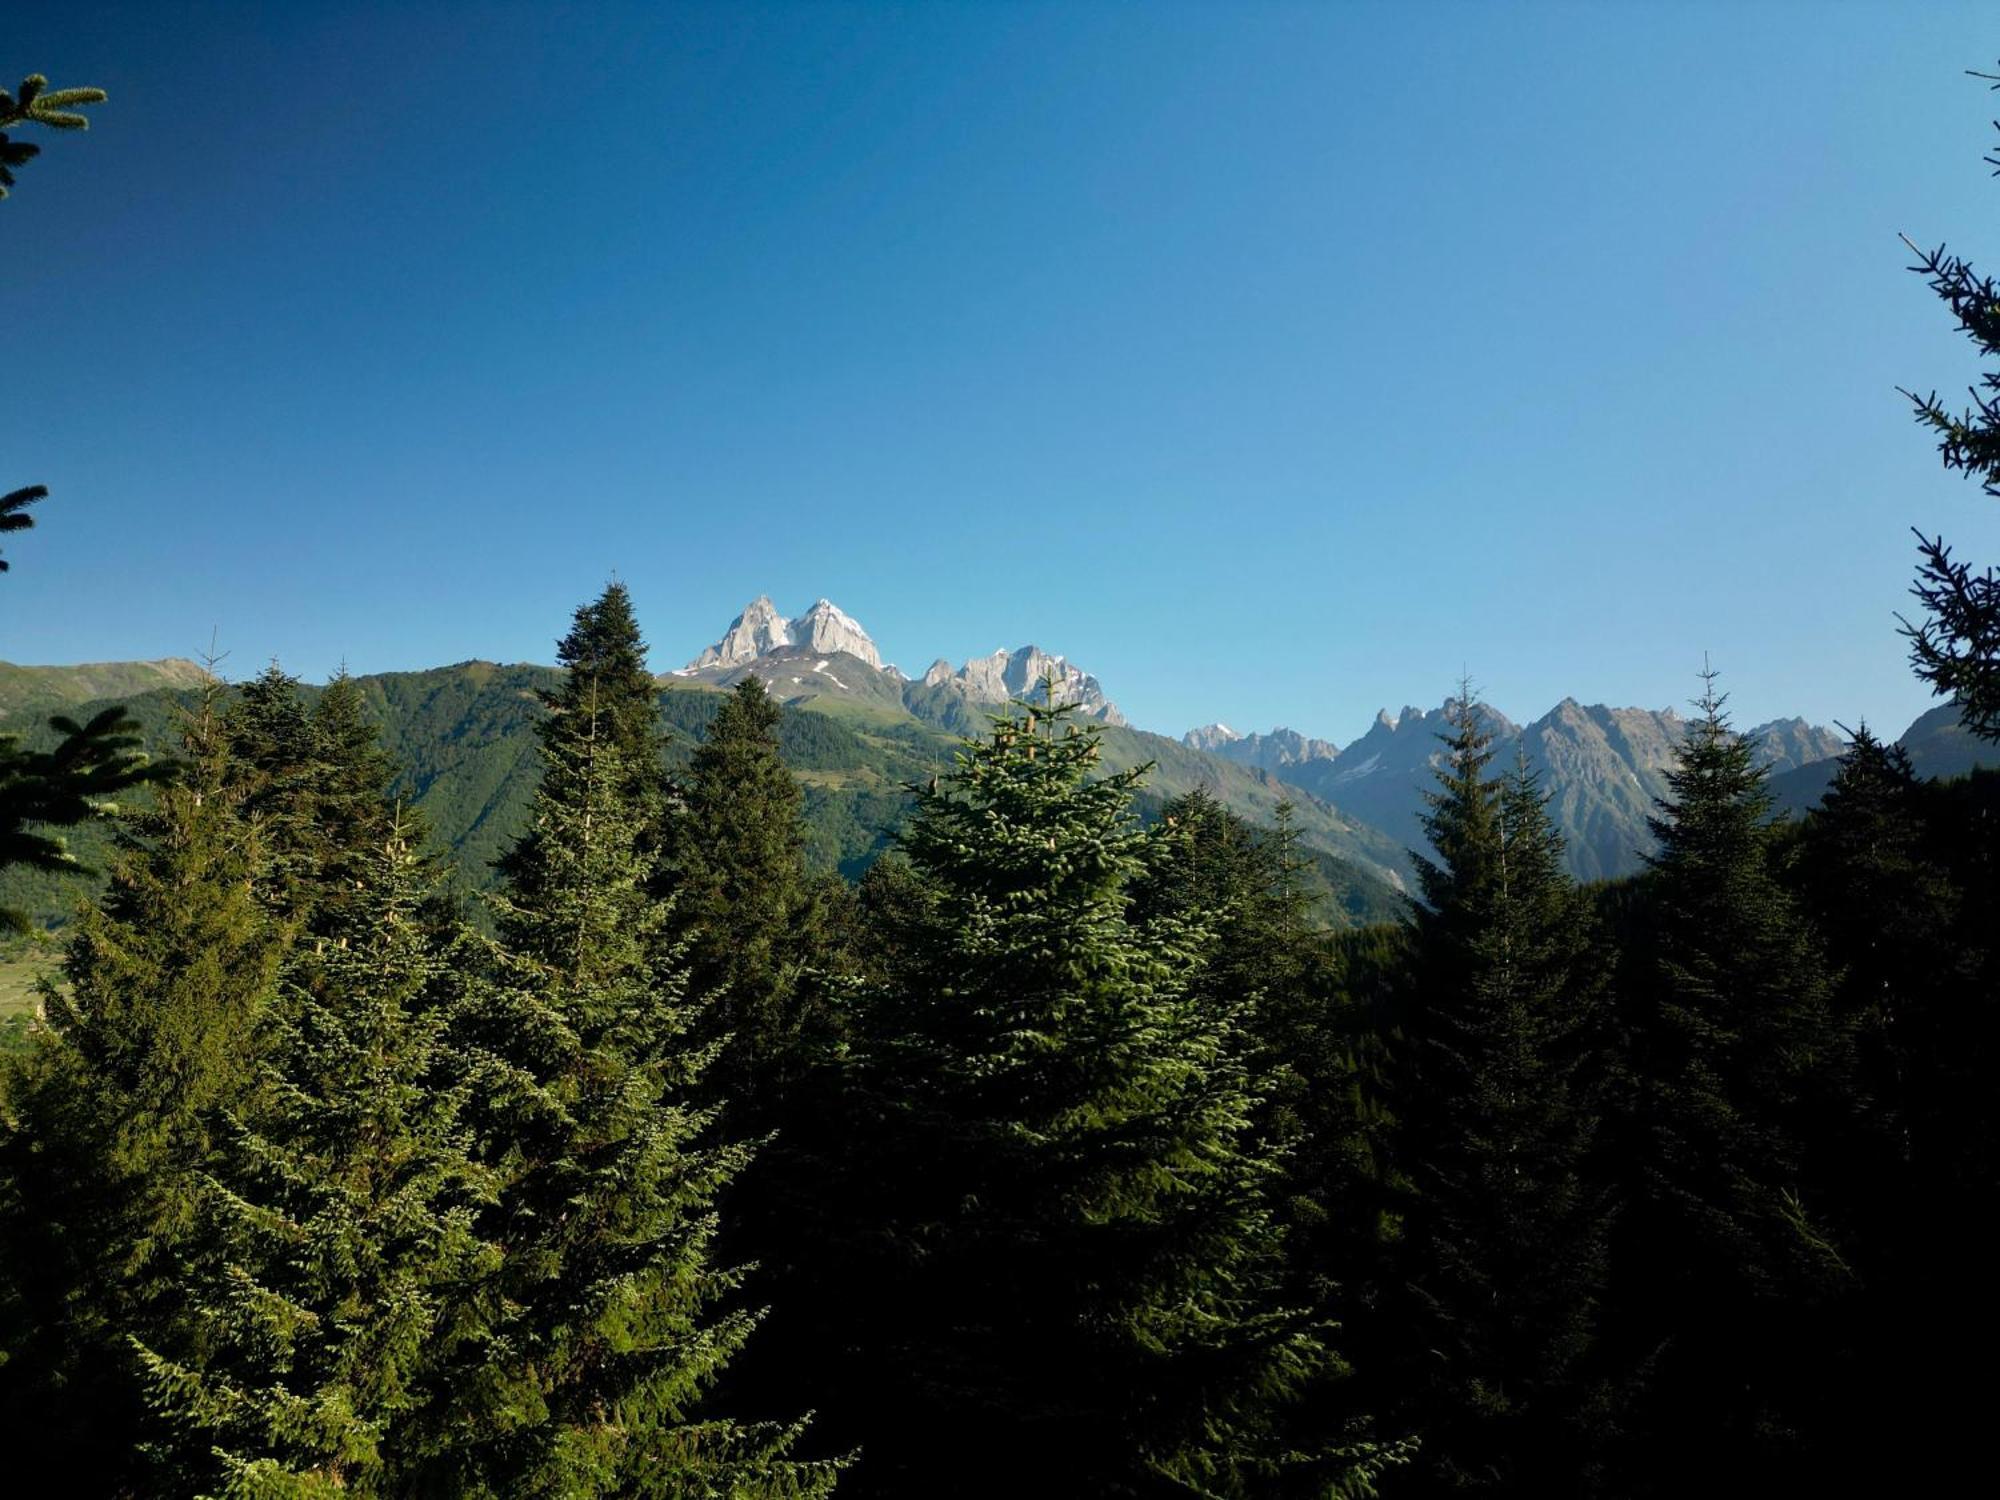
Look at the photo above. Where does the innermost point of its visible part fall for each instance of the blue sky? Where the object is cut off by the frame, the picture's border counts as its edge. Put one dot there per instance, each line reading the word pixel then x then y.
pixel 1275 362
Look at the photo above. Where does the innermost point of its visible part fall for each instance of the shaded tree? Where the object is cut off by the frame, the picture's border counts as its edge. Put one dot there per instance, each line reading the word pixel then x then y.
pixel 600 1333
pixel 112 1119
pixel 1077 1263
pixel 1505 1240
pixel 1728 1259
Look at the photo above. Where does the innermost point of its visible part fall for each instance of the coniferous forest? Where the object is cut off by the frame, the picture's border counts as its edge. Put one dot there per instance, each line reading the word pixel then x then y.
pixel 1065 1152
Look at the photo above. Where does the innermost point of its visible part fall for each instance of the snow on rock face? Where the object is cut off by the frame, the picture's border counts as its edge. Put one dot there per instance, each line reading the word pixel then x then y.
pixel 1273 752
pixel 758 629
pixel 1210 737
pixel 1026 673
pixel 827 628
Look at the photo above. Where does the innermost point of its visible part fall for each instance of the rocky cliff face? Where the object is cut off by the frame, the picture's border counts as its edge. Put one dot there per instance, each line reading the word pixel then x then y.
pixel 1027 673
pixel 1603 770
pixel 826 628
pixel 1210 737
pixel 825 652
pixel 760 628
pixel 1269 752
pixel 1787 744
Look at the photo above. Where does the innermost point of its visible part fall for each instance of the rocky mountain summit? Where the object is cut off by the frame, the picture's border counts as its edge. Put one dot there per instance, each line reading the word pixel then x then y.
pixel 1603 769
pixel 1027 672
pixel 1270 752
pixel 761 630
pixel 825 653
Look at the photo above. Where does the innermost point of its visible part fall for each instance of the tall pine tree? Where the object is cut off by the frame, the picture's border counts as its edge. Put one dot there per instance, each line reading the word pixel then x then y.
pixel 113 1120
pixel 1505 1241
pixel 742 896
pixel 1728 1263
pixel 335 1222
pixel 599 1335
pixel 1079 1270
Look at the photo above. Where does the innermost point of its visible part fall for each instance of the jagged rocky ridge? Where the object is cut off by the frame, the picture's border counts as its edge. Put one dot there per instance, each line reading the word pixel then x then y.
pixel 822 653
pixel 1603 769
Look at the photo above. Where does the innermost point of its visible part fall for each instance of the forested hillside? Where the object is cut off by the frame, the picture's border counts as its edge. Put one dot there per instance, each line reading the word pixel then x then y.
pixel 462 741
pixel 779 1078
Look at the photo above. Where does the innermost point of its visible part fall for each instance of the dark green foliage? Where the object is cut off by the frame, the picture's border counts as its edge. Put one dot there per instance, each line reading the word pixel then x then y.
pixel 112 1119
pixel 73 783
pixel 14 505
pixel 335 1221
pixel 1739 1060
pixel 35 103
pixel 1077 1256
pixel 1904 877
pixel 1956 649
pixel 1505 1244
pixel 599 1334
pixel 742 897
pixel 314 784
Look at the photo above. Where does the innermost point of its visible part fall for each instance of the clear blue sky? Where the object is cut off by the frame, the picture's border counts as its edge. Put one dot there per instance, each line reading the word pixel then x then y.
pixel 1275 362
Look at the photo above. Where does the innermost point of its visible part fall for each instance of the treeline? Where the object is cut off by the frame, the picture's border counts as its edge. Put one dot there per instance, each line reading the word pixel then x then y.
pixel 1062 1155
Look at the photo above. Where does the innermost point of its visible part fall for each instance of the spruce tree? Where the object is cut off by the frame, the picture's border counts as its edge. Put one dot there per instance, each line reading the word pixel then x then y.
pixel 1505 1237
pixel 599 1334
pixel 113 1119
pixel 1729 1262
pixel 315 783
pixel 1080 1265
pixel 334 1222
pixel 1900 875
pixel 743 898
pixel 79 781
pixel 35 103
pixel 1956 648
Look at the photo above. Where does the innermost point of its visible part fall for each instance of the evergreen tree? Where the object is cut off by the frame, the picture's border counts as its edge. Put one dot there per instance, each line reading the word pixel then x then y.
pixel 334 1223
pixel 315 783
pixel 76 782
pixel 1505 1238
pixel 275 760
pixel 1901 876
pixel 1729 1264
pixel 599 1334
pixel 743 898
pixel 35 103
pixel 14 511
pixel 112 1120
pixel 1956 649
pixel 1082 1263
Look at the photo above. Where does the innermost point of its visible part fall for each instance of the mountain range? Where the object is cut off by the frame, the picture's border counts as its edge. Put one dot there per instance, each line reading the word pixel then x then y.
pixel 858 732
pixel 1603 768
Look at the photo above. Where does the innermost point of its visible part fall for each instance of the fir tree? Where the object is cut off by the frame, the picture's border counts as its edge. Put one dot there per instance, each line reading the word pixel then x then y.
pixel 35 103
pixel 1505 1238
pixel 78 781
pixel 113 1119
pixel 599 1335
pixel 274 757
pixel 335 1221
pixel 1956 649
pixel 1736 1050
pixel 743 898
pixel 315 783
pixel 1083 1271
pixel 14 511
pixel 1900 875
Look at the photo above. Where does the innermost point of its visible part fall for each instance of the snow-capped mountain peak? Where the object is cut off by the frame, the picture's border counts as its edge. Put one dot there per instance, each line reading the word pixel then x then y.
pixel 826 627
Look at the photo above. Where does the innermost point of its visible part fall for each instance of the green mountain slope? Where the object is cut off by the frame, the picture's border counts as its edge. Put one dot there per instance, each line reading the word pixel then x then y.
pixel 462 738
